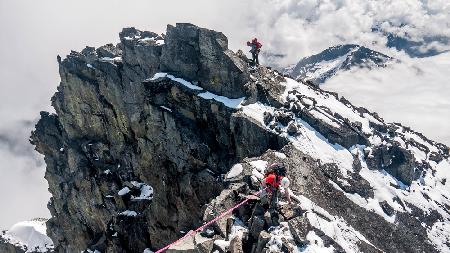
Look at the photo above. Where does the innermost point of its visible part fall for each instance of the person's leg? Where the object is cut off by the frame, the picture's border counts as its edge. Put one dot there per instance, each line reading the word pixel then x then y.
pixel 273 209
pixel 257 60
pixel 254 58
pixel 274 200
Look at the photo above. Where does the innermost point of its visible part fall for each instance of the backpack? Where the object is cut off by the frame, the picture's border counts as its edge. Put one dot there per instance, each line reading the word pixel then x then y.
pixel 276 168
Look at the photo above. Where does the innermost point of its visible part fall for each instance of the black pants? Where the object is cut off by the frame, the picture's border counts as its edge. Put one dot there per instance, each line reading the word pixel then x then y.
pixel 255 59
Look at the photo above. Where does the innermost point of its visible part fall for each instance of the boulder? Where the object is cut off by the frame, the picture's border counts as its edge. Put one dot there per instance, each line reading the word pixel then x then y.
pixel 263 239
pixel 397 161
pixel 193 244
pixel 236 244
pixel 257 226
pixel 299 228
pixel 202 55
pixel 292 129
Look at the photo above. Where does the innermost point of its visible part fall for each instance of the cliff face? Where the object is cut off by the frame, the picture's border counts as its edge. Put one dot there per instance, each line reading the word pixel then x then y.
pixel 145 131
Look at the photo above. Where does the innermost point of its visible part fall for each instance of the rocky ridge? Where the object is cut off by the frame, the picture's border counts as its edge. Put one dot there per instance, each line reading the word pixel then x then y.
pixel 154 136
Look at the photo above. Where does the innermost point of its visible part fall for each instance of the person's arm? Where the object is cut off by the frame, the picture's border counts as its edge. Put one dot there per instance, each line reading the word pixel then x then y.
pixel 287 195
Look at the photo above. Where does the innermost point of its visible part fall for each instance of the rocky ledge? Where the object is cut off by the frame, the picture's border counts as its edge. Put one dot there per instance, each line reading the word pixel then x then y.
pixel 156 135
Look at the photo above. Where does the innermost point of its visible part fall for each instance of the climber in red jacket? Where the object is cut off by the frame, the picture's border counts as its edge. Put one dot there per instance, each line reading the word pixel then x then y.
pixel 274 178
pixel 255 49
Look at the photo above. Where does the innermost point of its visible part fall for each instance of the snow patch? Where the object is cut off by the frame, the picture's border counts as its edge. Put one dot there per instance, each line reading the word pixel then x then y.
pixel 165 108
pixel 176 79
pixel 235 171
pixel 280 155
pixel 146 191
pixel 128 213
pixel 123 191
pixel 30 234
pixel 316 244
pixel 335 227
pixel 260 165
pixel 256 111
pixel 228 102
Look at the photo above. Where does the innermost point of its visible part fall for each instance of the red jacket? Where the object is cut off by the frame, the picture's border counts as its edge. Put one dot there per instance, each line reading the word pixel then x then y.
pixel 273 181
pixel 255 43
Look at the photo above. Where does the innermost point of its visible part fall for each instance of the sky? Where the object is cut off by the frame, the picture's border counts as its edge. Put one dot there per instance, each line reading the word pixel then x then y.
pixel 414 92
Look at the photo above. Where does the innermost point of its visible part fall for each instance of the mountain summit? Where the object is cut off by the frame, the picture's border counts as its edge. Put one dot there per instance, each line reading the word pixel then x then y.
pixel 326 64
pixel 159 134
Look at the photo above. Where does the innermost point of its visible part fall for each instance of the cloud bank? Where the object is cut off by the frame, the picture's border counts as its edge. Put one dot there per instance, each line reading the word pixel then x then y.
pixel 23 190
pixel 415 93
pixel 300 28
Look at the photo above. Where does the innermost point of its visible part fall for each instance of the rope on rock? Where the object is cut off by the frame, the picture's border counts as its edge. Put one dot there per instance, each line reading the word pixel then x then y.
pixel 193 232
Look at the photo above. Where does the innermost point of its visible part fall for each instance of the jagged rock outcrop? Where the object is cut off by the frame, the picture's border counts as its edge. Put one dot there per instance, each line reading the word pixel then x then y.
pixel 202 55
pixel 112 129
pixel 8 247
pixel 158 134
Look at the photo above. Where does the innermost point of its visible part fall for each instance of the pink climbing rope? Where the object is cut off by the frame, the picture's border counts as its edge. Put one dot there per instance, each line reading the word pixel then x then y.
pixel 193 232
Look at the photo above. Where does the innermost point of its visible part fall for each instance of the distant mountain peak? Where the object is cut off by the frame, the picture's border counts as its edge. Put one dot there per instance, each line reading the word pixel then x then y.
pixel 320 67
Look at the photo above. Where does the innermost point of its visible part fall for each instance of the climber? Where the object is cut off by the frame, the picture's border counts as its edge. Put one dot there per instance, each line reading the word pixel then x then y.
pixel 255 49
pixel 275 176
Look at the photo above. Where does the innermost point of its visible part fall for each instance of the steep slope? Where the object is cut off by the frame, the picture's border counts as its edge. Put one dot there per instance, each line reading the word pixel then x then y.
pixel 156 135
pixel 324 65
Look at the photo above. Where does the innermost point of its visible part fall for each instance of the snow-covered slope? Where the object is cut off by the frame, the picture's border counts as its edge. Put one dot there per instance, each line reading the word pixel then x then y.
pixel 29 236
pixel 324 65
pixel 407 172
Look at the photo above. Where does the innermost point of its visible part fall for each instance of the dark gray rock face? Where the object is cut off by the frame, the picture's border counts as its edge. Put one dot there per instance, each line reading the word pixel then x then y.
pixel 112 131
pixel 7 247
pixel 202 55
pixel 136 160
pixel 397 161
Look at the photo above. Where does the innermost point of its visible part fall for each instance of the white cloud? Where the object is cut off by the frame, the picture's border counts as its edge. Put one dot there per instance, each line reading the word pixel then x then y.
pixel 414 92
pixel 23 191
